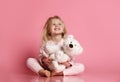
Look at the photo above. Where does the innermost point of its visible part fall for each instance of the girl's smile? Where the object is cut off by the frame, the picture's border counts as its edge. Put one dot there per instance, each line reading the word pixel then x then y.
pixel 57 28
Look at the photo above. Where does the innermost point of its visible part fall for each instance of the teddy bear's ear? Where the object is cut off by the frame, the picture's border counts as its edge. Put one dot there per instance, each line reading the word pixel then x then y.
pixel 70 36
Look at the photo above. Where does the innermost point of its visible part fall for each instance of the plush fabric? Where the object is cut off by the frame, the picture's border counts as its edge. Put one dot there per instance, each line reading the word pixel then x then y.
pixel 70 47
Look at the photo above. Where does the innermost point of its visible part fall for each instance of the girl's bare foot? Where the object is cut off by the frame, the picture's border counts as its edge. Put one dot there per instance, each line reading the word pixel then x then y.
pixel 54 73
pixel 45 73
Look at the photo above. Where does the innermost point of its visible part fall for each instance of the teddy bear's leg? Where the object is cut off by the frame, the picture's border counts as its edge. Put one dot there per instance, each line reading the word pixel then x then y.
pixel 76 68
pixel 58 67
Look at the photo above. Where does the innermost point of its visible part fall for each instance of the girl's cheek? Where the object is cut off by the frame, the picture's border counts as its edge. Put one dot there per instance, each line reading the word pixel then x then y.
pixel 62 28
pixel 52 28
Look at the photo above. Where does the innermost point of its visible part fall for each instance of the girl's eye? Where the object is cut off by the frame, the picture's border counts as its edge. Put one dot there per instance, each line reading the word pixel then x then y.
pixel 53 24
pixel 59 23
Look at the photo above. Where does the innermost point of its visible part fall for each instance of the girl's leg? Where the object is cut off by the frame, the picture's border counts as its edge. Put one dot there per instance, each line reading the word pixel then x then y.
pixel 76 68
pixel 34 65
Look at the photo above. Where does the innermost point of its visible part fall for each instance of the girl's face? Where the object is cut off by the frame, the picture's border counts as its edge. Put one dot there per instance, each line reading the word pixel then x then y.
pixel 56 27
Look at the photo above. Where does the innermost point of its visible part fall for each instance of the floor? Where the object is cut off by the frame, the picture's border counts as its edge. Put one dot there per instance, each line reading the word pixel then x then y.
pixel 86 77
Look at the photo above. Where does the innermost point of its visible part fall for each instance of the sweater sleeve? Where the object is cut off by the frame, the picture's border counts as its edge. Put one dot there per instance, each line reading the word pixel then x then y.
pixel 43 52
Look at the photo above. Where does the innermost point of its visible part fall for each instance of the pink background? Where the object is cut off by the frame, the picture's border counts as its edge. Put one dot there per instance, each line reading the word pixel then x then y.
pixel 95 23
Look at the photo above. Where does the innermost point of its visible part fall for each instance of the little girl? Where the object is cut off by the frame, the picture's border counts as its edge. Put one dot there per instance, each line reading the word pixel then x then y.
pixel 54 30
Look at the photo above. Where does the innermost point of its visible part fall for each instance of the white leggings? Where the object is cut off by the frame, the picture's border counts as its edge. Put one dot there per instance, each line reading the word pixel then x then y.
pixel 34 65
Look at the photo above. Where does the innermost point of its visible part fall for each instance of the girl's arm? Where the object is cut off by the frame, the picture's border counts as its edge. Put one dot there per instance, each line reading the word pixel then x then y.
pixel 43 51
pixel 46 61
pixel 67 64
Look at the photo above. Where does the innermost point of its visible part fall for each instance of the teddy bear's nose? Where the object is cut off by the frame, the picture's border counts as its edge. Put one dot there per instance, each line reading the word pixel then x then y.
pixel 71 45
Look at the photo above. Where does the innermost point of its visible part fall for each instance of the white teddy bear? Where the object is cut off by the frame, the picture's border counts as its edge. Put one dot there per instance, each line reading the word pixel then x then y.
pixel 57 55
pixel 70 48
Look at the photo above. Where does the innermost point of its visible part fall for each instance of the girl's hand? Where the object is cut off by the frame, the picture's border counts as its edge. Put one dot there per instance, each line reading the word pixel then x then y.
pixel 47 61
pixel 66 64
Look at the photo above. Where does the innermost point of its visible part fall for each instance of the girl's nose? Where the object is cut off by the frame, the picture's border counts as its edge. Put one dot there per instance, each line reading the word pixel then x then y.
pixel 56 25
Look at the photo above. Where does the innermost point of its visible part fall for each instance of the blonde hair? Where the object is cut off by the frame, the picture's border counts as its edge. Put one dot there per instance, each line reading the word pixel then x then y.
pixel 46 34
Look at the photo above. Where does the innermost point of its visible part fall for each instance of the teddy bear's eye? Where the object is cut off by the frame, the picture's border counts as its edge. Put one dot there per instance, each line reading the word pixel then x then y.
pixel 75 45
pixel 70 42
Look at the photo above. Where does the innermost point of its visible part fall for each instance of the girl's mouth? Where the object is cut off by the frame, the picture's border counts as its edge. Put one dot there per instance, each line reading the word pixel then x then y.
pixel 57 28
